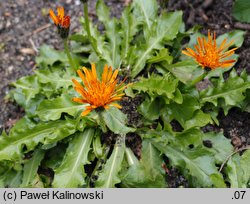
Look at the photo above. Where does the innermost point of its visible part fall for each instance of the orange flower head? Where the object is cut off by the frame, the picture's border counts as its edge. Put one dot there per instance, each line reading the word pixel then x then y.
pixel 98 93
pixel 61 21
pixel 209 55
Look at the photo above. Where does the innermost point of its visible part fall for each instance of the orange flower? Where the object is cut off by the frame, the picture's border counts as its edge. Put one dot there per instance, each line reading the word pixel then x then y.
pixel 208 55
pixel 62 22
pixel 98 93
pixel 60 19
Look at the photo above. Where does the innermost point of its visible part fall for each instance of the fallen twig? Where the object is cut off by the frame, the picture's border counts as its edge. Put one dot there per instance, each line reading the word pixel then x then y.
pixel 236 151
pixel 33 46
pixel 243 26
pixel 207 3
pixel 38 30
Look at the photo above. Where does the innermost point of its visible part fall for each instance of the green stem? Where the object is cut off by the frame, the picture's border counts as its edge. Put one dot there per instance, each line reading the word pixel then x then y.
pixel 99 164
pixel 87 27
pixel 66 48
pixel 198 79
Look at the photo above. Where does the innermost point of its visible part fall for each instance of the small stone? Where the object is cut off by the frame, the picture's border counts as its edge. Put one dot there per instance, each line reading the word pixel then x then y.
pixel 227 26
pixel 8 24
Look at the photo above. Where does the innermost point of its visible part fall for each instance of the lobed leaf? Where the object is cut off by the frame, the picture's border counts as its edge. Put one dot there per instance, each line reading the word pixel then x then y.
pixel 71 173
pixel 56 79
pixel 164 86
pixel 28 86
pixel 48 56
pixel 199 163
pixel 25 134
pixel 52 109
pixel 232 91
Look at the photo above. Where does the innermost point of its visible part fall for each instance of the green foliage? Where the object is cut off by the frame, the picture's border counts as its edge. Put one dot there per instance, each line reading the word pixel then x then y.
pixel 186 151
pixel 108 176
pixel 163 86
pixel 238 170
pixel 48 56
pixel 166 30
pixel 241 9
pixel 147 172
pixel 29 87
pixel 30 176
pixel 118 47
pixel 144 44
pixel 11 146
pixel 115 121
pixel 53 108
pixel 231 91
pixel 71 172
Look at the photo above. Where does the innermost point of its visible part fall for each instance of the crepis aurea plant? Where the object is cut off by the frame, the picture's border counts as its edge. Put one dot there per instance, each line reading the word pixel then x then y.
pixel 74 126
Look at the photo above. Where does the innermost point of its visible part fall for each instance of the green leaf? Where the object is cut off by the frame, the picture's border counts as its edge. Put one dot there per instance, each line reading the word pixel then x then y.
pixel 129 29
pixel 238 170
pixel 164 86
pixel 221 146
pixel 48 56
pixel 11 179
pixel 165 29
pixel 232 91
pixel 185 71
pixel 185 111
pixel 185 151
pixel 241 10
pixel 11 147
pixel 108 176
pixel 199 163
pixel 30 169
pixel 56 79
pixel 147 173
pixel 53 108
pixel 237 36
pixel 79 38
pixel 161 56
pixel 55 155
pixel 71 173
pixel 98 148
pixel 29 106
pixel 218 181
pixel 151 110
pixel 199 119
pixel 111 32
pixel 29 87
pixel 116 121
pixel 145 11
pixel 152 162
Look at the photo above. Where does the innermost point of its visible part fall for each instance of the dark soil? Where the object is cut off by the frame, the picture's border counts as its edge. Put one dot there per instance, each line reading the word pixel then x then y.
pixel 25 26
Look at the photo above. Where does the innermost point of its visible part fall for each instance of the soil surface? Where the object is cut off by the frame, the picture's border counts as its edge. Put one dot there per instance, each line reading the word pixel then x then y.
pixel 25 26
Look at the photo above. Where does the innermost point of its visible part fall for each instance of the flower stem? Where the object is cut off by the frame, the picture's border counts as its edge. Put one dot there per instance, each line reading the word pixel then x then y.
pixel 200 78
pixel 66 48
pixel 87 27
